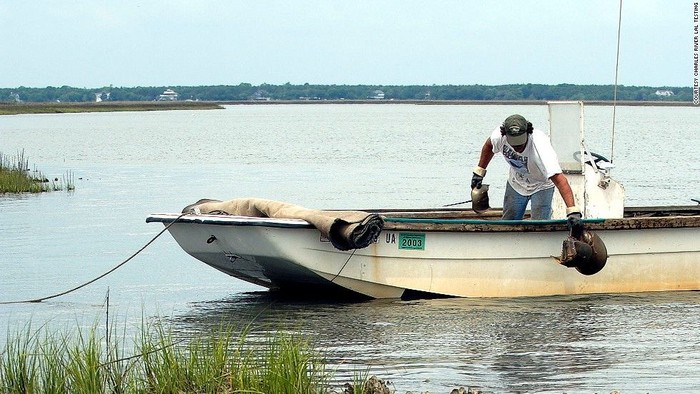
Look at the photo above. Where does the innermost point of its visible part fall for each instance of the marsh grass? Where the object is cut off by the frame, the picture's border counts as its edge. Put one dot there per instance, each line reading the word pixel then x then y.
pixel 113 106
pixel 19 367
pixel 16 177
pixel 220 361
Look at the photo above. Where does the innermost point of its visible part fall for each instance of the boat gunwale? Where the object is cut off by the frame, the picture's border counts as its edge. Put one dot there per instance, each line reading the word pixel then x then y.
pixel 461 220
pixel 632 223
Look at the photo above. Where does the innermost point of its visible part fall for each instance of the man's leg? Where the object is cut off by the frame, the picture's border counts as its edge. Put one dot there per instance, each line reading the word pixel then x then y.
pixel 513 204
pixel 541 204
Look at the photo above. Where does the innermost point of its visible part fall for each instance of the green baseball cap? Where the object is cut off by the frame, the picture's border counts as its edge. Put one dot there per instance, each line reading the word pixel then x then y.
pixel 516 129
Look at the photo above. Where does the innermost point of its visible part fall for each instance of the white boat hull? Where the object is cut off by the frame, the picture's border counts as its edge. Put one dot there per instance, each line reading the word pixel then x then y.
pixel 462 261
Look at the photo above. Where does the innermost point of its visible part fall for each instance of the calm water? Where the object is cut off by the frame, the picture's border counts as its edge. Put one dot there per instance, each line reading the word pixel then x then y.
pixel 128 165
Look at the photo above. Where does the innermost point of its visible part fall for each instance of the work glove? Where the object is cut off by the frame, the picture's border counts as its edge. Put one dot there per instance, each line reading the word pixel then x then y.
pixel 476 181
pixel 478 177
pixel 575 224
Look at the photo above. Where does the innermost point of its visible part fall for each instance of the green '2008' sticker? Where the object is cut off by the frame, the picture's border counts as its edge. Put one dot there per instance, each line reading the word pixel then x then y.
pixel 412 241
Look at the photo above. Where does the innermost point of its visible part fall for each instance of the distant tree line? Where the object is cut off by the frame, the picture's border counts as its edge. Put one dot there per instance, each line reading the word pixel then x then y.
pixel 246 92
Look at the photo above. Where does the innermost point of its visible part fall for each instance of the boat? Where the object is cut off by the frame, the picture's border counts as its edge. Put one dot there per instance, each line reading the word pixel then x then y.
pixel 454 252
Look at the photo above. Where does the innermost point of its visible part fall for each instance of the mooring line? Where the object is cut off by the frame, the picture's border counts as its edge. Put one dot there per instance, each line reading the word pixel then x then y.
pixel 343 267
pixel 99 277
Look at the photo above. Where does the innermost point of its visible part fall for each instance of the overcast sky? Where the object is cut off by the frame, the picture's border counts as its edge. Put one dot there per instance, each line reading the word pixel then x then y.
pixel 96 43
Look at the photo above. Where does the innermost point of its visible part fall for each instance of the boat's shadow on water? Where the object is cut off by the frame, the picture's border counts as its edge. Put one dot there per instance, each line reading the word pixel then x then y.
pixel 264 307
pixel 569 342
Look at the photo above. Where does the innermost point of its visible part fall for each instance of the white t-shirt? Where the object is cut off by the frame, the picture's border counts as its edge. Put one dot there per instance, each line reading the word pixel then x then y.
pixel 530 170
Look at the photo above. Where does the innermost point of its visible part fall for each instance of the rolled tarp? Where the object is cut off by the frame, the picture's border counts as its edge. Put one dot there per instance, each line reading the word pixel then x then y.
pixel 345 229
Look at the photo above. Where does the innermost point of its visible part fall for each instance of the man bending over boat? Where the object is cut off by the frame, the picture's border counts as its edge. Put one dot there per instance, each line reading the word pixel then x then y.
pixel 534 171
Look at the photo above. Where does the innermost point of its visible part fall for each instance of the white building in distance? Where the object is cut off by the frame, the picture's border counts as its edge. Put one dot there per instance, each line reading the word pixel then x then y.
pixel 168 95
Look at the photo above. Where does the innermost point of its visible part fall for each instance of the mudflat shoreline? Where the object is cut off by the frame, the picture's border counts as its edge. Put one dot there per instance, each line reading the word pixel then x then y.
pixel 55 107
pixel 113 106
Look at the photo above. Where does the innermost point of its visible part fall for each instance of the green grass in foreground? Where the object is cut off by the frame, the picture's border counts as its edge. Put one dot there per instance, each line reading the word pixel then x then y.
pixel 218 362
pixel 15 177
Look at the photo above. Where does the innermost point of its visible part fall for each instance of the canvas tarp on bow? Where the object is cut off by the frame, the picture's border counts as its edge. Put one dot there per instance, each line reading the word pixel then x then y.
pixel 345 229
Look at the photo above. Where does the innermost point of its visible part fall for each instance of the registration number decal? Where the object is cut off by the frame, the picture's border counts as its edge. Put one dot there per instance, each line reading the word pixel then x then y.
pixel 412 241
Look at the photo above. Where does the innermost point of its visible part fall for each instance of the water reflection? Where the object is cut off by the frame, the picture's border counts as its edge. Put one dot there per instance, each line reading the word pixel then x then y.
pixel 551 343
